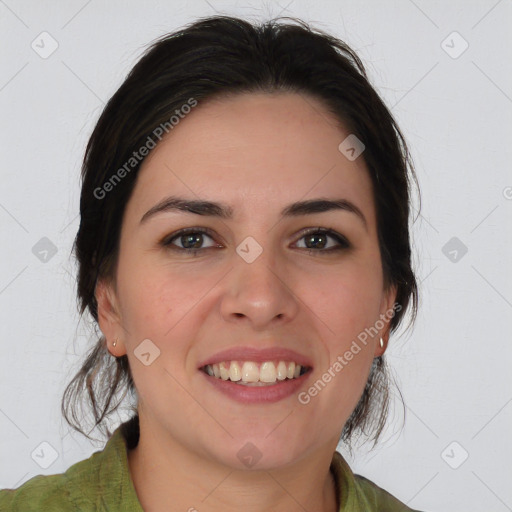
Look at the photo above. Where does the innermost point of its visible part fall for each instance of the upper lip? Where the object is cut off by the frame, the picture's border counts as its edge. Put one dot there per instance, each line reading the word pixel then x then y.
pixel 258 355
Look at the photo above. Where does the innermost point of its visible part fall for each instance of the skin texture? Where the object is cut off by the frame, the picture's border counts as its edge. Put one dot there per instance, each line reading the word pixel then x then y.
pixel 258 153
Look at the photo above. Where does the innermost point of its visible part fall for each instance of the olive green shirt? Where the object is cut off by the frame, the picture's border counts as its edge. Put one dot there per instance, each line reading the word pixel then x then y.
pixel 103 483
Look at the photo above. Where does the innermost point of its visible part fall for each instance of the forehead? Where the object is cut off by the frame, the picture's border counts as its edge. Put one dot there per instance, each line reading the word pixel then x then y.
pixel 254 150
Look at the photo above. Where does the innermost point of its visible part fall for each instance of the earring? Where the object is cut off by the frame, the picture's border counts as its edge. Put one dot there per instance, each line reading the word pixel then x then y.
pixel 381 342
pixel 115 342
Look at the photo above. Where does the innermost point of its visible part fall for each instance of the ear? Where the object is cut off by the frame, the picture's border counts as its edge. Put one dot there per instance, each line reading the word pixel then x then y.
pixel 387 312
pixel 109 318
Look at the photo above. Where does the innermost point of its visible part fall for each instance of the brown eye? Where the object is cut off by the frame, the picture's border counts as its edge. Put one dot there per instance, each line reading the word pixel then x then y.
pixel 188 240
pixel 317 241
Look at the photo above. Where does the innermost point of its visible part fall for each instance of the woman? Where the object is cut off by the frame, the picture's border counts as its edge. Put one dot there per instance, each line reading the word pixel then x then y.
pixel 244 248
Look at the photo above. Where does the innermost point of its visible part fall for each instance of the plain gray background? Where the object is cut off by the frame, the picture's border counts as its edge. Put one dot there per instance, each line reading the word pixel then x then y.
pixel 454 105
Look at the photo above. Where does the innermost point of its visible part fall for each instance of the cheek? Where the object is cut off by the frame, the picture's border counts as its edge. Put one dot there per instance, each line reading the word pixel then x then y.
pixel 147 306
pixel 347 301
pixel 155 298
pixel 353 302
pixel 155 306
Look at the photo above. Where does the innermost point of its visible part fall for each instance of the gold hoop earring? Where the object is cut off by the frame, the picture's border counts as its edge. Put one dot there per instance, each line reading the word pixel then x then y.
pixel 381 342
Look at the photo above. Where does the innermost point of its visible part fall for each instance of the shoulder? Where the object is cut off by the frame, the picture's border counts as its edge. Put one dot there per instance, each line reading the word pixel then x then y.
pixel 101 482
pixel 376 498
pixel 41 492
pixel 78 489
pixel 357 494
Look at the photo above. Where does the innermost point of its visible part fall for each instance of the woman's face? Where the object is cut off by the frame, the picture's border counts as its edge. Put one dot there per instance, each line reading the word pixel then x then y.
pixel 259 292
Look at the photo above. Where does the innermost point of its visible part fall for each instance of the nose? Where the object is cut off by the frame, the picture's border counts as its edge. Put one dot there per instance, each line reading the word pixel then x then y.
pixel 259 293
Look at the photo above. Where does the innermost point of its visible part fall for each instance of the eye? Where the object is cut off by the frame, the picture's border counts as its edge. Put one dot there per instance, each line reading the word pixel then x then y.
pixel 191 240
pixel 316 241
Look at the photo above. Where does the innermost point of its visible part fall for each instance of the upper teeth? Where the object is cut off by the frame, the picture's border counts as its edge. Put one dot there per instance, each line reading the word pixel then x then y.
pixel 249 371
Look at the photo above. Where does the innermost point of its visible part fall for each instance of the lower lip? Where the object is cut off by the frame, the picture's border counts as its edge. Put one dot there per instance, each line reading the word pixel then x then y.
pixel 258 394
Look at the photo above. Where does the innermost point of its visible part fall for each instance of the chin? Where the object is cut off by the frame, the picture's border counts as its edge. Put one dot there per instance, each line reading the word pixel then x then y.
pixel 262 451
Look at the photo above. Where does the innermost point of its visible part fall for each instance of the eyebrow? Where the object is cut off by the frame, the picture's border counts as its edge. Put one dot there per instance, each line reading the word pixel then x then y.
pixel 212 209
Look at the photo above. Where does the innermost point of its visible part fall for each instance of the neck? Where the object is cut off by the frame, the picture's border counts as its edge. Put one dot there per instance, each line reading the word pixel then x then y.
pixel 168 477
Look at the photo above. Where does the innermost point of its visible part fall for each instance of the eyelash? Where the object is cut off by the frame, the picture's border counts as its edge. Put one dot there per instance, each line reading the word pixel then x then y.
pixel 342 241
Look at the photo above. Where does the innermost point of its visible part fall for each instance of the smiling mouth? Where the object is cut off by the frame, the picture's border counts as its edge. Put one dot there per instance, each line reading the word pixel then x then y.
pixel 250 373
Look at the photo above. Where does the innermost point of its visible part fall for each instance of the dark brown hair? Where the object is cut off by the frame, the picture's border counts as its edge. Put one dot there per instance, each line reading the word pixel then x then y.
pixel 213 57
